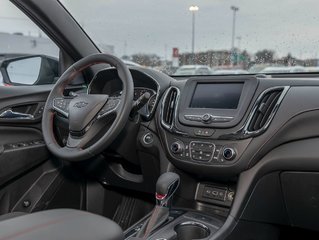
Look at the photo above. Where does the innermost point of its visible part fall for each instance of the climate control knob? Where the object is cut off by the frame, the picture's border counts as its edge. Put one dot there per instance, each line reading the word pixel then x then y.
pixel 229 153
pixel 176 147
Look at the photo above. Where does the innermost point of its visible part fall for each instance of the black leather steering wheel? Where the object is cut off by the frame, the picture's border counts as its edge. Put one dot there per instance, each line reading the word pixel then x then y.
pixel 88 114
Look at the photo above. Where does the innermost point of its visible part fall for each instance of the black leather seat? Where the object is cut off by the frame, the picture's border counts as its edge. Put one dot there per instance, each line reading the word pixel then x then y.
pixel 60 224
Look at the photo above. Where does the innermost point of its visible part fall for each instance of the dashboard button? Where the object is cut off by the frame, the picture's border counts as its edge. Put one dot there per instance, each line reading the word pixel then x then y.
pixel 196 118
pixel 198 132
pixel 208 154
pixel 222 119
pixel 203 132
pixel 202 151
pixel 208 132
pixel 148 138
pixel 215 193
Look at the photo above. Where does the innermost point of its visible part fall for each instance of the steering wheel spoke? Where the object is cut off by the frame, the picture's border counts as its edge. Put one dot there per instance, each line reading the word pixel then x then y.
pixel 61 105
pixel 73 142
pixel 110 107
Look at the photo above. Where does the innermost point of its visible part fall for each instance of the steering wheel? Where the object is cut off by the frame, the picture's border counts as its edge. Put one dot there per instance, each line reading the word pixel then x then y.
pixel 94 119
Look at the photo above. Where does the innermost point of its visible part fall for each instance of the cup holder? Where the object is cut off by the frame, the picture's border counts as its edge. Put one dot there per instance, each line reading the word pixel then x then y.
pixel 191 230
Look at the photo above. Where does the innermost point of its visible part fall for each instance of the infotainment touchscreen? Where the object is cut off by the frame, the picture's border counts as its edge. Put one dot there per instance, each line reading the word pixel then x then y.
pixel 217 95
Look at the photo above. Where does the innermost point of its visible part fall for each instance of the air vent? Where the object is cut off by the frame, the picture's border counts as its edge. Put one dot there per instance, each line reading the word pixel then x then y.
pixel 265 109
pixel 169 106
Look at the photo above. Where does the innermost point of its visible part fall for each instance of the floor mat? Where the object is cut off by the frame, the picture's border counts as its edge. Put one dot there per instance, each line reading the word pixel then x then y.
pixel 130 210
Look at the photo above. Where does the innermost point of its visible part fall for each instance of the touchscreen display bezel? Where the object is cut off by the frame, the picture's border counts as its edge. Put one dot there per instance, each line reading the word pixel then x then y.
pixel 220 95
pixel 250 84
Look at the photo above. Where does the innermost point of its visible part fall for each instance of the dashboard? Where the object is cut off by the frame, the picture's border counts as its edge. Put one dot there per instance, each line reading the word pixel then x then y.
pixel 217 126
pixel 240 139
pixel 231 135
pixel 220 126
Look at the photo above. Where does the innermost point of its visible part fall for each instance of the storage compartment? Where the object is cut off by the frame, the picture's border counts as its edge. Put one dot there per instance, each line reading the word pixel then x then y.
pixel 191 230
pixel 301 192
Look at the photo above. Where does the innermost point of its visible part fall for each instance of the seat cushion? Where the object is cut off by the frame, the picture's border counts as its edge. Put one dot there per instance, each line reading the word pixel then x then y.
pixel 11 215
pixel 60 224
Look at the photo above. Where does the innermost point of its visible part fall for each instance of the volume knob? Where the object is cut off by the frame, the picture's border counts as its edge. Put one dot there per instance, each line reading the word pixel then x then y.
pixel 176 147
pixel 229 153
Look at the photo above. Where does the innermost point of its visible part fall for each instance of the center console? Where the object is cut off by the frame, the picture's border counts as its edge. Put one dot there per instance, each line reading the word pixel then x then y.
pixel 199 116
pixel 181 225
pixel 209 127
pixel 175 224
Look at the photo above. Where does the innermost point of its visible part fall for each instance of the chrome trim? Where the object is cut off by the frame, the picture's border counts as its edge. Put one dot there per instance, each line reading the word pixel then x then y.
pixel 212 117
pixel 272 114
pixel 144 137
pixel 193 223
pixel 233 153
pixel 171 128
pixel 244 133
pixel 9 114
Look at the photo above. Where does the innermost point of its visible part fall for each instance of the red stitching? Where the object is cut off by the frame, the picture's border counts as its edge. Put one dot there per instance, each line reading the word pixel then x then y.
pixel 33 228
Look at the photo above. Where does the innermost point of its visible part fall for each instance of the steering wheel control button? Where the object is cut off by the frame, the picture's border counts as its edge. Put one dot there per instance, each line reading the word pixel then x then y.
pixel 207 118
pixel 148 138
pixel 229 153
pixel 61 105
pixel 203 132
pixel 177 148
pixel 202 151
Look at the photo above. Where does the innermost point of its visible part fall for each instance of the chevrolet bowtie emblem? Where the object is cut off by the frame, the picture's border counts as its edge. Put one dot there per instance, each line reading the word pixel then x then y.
pixel 80 104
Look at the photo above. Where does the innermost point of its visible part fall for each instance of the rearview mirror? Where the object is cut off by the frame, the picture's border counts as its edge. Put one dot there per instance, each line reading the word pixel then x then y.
pixel 30 70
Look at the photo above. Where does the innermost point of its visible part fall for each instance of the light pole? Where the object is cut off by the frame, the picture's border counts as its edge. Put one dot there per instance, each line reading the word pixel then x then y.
pixel 193 10
pixel 238 42
pixel 238 47
pixel 234 9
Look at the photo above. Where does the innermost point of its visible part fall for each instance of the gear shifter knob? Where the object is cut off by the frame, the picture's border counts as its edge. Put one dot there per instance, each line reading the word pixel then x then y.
pixel 166 186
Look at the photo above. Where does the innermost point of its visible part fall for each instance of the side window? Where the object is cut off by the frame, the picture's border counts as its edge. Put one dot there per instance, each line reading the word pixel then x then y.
pixel 27 55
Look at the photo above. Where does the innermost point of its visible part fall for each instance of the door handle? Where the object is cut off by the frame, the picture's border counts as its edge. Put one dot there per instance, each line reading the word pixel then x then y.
pixel 9 114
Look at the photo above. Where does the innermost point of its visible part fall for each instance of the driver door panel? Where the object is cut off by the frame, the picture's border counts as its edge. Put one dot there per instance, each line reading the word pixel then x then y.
pixel 21 141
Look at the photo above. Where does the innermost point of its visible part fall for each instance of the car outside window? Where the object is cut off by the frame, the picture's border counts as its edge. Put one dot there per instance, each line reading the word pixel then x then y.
pixel 231 37
pixel 27 56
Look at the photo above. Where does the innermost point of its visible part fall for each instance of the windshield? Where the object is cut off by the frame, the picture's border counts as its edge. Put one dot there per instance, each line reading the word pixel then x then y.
pixel 227 37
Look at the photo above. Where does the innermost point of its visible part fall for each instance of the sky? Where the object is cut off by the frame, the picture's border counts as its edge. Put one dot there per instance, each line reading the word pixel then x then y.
pixel 156 26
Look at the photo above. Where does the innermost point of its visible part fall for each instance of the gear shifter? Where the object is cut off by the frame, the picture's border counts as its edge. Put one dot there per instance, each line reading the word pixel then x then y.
pixel 166 186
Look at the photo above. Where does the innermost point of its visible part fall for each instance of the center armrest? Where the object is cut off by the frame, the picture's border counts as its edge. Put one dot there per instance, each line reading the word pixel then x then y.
pixel 62 224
